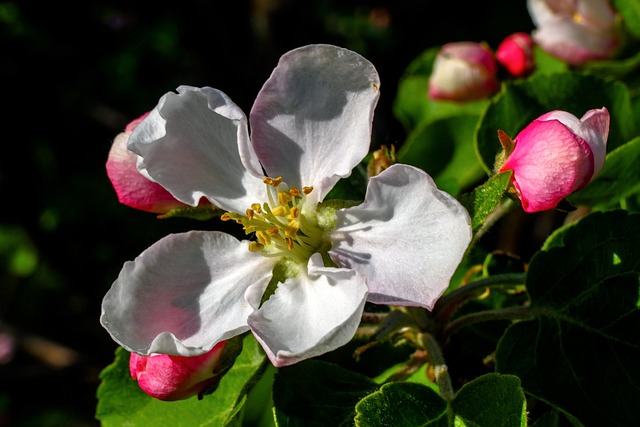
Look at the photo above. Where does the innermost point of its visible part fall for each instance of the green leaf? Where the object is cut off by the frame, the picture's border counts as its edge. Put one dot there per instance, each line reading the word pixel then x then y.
pixel 412 104
pixel 402 404
pixel 619 179
pixel 444 148
pixel 580 350
pixel 485 198
pixel 492 400
pixel 546 63
pixel 521 102
pixel 630 11
pixel 122 403
pixel 315 393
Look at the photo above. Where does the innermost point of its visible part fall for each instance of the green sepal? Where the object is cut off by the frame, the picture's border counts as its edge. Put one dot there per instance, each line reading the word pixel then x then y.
pixel 201 213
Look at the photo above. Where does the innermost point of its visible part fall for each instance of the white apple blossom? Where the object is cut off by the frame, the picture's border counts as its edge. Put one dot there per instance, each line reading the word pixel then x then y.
pixel 301 283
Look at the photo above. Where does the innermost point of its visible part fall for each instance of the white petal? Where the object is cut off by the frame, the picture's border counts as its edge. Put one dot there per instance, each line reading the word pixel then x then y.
pixel 184 294
pixel 407 238
pixel 311 314
pixel 189 145
pixel 311 122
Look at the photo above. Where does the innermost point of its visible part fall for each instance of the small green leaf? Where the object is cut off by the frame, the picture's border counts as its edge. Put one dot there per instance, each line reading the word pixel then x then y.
pixel 122 403
pixel 580 350
pixel 444 148
pixel 402 404
pixel 485 198
pixel 492 400
pixel 315 393
pixel 619 178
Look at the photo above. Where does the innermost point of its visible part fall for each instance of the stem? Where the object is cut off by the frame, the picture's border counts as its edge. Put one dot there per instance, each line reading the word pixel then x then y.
pixel 505 280
pixel 509 313
pixel 440 369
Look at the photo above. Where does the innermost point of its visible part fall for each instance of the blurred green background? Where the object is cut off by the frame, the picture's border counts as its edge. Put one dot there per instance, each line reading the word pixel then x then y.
pixel 73 76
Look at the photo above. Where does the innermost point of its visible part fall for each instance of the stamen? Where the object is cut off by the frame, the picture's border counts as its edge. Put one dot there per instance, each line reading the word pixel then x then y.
pixel 255 246
pixel 280 211
pixel 279 226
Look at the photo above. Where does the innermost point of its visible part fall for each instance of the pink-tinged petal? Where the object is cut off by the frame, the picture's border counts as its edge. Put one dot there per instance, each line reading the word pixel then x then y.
pixel 176 377
pixel 311 314
pixel 593 127
pixel 132 188
pixel 311 122
pixel 515 54
pixel 575 31
pixel 190 145
pixel 406 239
pixel 184 294
pixel 574 43
pixel 549 162
pixel 463 71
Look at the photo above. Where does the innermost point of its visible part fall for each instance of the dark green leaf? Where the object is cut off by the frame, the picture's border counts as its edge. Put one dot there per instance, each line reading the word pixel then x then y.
pixel 121 402
pixel 485 198
pixel 492 400
pixel 314 393
pixel 402 404
pixel 523 101
pixel 444 148
pixel 619 179
pixel 580 350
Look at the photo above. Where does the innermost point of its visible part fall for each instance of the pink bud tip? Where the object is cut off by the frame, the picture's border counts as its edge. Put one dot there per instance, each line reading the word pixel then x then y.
pixel 463 71
pixel 515 54
pixel 175 377
pixel 557 154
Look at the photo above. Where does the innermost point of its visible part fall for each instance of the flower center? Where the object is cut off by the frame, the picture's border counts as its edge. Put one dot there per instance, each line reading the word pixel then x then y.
pixel 279 226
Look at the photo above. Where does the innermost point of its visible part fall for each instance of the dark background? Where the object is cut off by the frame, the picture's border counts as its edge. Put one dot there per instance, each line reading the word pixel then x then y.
pixel 72 77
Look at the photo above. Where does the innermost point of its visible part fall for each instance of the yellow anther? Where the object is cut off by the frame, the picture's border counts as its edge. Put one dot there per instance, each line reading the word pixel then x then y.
pixel 255 246
pixel 256 208
pixel 289 242
pixel 293 213
pixel 292 228
pixel 263 237
pixel 273 231
pixel 225 216
pixel 295 192
pixel 307 190
pixel 283 198
pixel 277 181
pixel 267 180
pixel 250 213
pixel 280 211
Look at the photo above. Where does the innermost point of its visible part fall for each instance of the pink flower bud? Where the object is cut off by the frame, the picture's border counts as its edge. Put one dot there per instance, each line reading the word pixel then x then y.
pixel 575 31
pixel 555 155
pixel 463 71
pixel 176 377
pixel 515 54
pixel 132 188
